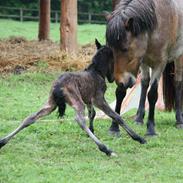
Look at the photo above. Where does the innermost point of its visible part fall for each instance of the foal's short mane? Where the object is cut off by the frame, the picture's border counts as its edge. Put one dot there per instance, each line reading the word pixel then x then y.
pixel 138 14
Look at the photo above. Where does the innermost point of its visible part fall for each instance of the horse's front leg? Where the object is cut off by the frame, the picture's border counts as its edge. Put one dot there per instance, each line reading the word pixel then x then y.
pixel 102 105
pixel 152 98
pixel 145 78
pixel 120 95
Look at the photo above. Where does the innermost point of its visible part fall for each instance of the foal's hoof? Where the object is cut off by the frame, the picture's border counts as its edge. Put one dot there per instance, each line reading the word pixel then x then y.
pixel 2 143
pixel 142 141
pixel 179 125
pixel 113 154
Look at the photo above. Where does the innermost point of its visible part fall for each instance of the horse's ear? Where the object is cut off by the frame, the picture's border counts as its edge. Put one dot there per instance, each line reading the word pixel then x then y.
pixel 107 15
pixel 98 45
pixel 129 24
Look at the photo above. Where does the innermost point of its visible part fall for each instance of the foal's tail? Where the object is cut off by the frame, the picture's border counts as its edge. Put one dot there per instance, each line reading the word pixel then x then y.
pixel 169 86
pixel 59 99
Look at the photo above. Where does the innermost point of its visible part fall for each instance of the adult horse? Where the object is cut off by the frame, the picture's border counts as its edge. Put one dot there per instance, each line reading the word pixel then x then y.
pixel 148 34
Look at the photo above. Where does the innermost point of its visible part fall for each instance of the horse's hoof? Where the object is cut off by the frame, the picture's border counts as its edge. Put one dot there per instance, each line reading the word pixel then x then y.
pixel 139 122
pixel 179 125
pixel 115 133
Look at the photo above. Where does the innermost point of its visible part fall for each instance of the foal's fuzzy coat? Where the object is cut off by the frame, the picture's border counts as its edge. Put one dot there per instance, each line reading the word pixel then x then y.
pixel 79 89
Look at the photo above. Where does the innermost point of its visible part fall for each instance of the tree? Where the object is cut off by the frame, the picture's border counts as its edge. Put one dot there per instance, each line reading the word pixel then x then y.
pixel 44 19
pixel 68 26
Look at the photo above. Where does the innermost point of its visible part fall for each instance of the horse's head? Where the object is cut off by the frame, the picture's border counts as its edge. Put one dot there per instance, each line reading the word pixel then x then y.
pixel 127 33
pixel 127 59
pixel 103 61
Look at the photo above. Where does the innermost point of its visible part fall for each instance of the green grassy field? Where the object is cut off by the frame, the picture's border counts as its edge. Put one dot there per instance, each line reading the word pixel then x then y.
pixel 56 150
pixel 86 33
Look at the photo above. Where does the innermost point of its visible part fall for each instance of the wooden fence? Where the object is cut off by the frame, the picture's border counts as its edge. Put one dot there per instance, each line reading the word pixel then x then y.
pixel 23 14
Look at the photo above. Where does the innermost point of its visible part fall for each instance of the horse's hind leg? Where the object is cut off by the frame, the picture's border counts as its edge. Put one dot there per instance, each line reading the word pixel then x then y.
pixel 45 110
pixel 91 116
pixel 120 95
pixel 179 92
pixel 145 78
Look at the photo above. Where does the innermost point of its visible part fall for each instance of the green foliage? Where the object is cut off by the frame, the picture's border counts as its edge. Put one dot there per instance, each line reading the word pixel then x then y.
pixel 54 150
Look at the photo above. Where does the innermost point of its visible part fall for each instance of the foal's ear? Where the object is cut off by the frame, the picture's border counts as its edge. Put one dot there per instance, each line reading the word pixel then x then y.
pixel 98 45
pixel 129 24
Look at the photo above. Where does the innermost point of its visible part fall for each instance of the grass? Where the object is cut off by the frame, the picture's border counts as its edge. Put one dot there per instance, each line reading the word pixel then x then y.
pixel 86 32
pixel 55 150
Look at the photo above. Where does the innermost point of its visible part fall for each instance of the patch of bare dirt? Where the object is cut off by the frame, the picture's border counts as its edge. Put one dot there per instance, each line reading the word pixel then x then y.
pixel 17 55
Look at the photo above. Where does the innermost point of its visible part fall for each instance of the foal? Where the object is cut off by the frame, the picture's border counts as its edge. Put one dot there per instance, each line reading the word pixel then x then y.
pixel 79 89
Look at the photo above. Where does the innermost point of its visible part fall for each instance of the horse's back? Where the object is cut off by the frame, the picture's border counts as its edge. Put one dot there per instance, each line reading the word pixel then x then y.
pixel 167 39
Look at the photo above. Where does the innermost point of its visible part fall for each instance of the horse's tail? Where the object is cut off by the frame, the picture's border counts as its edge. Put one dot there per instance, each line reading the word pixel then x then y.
pixel 169 86
pixel 59 99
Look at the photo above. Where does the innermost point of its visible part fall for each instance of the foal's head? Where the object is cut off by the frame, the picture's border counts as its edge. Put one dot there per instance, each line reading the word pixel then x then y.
pixel 102 61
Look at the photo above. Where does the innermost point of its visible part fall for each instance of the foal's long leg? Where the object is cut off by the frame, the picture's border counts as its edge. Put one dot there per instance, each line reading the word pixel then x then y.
pixel 120 95
pixel 82 123
pixel 145 78
pixel 102 104
pixel 45 110
pixel 91 116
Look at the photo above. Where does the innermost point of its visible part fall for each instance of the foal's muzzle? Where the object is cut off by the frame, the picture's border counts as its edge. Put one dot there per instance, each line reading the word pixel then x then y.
pixel 130 82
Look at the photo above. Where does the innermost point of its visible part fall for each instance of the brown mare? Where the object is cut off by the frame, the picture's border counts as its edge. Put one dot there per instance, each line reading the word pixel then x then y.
pixel 80 89
pixel 148 34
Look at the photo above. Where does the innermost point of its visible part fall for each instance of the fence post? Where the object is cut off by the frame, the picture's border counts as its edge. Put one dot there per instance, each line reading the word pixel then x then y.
pixel 89 17
pixel 21 14
pixel 56 16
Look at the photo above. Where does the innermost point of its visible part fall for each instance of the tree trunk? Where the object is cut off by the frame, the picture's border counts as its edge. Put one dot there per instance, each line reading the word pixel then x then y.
pixel 68 26
pixel 114 3
pixel 44 19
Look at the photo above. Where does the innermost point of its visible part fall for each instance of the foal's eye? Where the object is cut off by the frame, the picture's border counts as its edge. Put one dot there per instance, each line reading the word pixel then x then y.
pixel 124 49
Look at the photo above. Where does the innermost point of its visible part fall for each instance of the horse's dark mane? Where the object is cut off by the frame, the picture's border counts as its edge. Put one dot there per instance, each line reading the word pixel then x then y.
pixel 99 64
pixel 140 14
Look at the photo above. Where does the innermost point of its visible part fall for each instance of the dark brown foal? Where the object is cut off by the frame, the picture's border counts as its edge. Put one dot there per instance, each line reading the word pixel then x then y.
pixel 78 89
